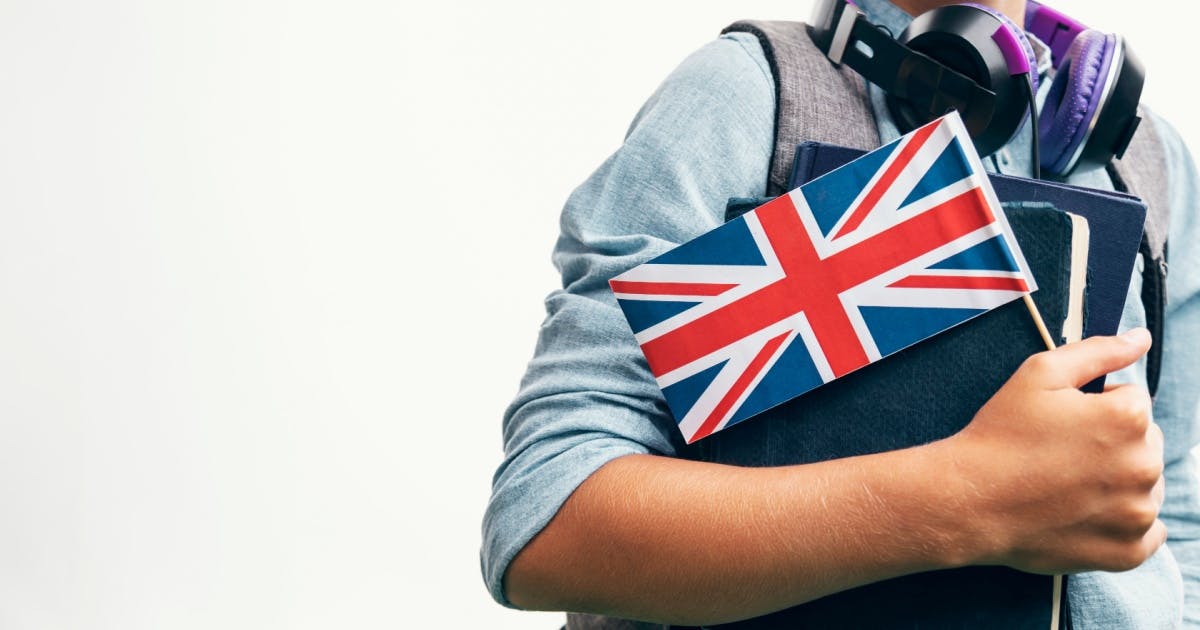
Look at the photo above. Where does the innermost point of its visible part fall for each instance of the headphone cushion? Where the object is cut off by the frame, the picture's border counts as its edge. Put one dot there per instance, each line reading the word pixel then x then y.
pixel 1074 99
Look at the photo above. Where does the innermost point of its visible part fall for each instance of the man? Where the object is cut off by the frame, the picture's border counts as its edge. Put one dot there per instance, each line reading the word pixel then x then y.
pixel 590 512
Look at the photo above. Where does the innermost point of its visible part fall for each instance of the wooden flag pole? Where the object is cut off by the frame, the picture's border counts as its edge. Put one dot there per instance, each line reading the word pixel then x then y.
pixel 1056 593
pixel 1039 322
pixel 1056 590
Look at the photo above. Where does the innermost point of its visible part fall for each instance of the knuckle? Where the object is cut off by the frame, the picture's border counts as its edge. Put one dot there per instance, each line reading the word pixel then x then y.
pixel 1130 407
pixel 1136 408
pixel 1155 537
pixel 1149 475
pixel 1136 549
pixel 1140 405
pixel 1038 364
pixel 1158 493
pixel 1146 471
pixel 1141 516
pixel 1156 438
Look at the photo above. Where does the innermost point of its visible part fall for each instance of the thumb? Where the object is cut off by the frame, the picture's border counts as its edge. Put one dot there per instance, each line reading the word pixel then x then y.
pixel 1076 364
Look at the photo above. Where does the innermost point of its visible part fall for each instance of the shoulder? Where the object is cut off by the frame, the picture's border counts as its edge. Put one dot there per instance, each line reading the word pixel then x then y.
pixel 734 58
pixel 727 76
pixel 737 52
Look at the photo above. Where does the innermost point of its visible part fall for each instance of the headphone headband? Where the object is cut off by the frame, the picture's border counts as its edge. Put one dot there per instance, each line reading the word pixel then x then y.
pixel 1055 28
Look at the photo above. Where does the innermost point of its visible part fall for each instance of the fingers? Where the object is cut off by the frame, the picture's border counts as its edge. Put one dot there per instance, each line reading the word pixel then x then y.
pixel 1111 554
pixel 1076 364
pixel 1141 550
pixel 1157 534
pixel 1154 538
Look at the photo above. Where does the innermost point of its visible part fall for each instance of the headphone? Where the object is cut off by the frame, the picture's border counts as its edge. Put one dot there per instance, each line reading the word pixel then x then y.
pixel 975 60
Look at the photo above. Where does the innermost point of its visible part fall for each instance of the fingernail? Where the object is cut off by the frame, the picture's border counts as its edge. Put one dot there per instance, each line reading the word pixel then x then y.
pixel 1136 335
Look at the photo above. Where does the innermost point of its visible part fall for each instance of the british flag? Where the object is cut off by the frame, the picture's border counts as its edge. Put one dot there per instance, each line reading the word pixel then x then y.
pixel 892 248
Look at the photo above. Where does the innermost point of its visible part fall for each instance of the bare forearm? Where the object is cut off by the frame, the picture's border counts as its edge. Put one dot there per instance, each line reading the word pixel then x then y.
pixel 686 542
pixel 692 543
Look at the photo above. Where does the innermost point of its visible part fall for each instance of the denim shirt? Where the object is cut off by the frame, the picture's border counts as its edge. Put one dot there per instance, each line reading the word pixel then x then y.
pixel 704 136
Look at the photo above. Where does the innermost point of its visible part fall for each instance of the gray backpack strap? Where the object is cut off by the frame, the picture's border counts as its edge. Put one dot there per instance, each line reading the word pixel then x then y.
pixel 1142 171
pixel 814 99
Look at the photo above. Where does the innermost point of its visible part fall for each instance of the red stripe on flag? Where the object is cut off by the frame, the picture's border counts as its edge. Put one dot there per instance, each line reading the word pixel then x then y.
pixel 889 176
pixel 743 381
pixel 812 285
pixel 668 288
pixel 962 282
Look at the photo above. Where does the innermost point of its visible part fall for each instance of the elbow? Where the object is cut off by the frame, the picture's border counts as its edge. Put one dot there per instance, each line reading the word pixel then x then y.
pixel 520 587
pixel 531 582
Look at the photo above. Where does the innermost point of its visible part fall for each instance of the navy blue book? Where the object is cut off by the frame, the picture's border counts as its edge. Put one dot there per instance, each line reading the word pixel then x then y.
pixel 923 393
pixel 1115 221
pixel 932 390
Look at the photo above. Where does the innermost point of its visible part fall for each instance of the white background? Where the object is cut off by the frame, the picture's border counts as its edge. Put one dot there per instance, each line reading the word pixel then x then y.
pixel 270 271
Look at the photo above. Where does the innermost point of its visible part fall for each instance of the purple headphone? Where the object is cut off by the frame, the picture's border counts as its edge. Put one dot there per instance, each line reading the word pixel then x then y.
pixel 975 60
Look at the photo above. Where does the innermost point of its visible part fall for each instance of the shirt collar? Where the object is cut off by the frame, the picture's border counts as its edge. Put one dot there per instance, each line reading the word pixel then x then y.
pixel 885 14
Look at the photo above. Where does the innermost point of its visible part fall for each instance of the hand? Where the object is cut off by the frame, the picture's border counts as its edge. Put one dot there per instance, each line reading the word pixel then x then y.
pixel 1065 481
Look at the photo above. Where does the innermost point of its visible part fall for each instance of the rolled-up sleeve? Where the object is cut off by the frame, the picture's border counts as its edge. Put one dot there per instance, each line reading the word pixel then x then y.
pixel 587 396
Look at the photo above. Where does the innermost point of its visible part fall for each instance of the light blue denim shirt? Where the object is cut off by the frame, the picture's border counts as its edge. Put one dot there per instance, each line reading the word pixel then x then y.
pixel 704 136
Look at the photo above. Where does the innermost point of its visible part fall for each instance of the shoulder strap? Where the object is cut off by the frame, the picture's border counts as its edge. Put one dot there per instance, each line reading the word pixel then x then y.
pixel 1142 171
pixel 814 99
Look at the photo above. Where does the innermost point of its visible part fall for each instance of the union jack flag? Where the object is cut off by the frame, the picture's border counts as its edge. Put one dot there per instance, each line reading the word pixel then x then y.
pixel 890 249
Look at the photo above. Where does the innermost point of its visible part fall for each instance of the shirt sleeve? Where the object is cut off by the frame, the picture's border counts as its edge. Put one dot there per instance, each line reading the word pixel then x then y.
pixel 1177 407
pixel 587 396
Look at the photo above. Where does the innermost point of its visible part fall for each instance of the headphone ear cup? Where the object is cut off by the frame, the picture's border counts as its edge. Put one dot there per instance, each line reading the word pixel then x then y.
pixel 1075 99
pixel 986 47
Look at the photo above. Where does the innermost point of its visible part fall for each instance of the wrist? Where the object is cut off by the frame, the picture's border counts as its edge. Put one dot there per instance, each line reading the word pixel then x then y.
pixel 966 530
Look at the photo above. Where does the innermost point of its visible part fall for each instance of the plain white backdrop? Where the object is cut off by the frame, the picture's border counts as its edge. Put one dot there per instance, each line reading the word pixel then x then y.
pixel 270 271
